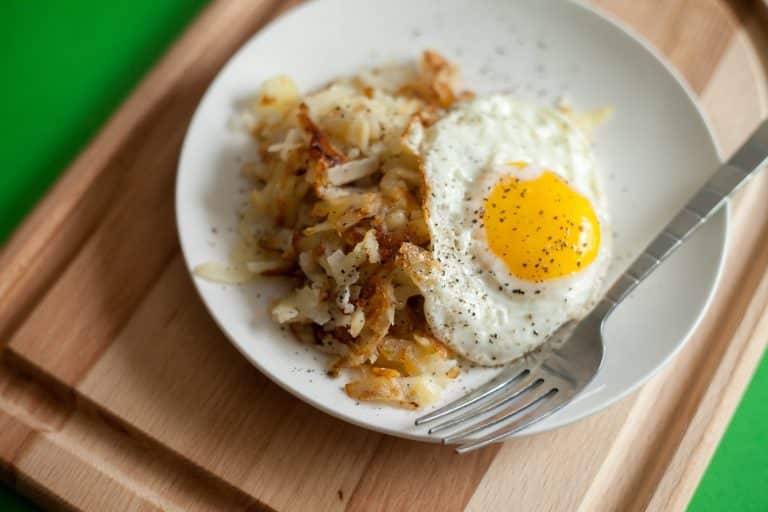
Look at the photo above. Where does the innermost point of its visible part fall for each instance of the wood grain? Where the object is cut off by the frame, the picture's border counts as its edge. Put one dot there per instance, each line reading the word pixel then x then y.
pixel 55 231
pixel 158 373
pixel 692 34
pixel 117 391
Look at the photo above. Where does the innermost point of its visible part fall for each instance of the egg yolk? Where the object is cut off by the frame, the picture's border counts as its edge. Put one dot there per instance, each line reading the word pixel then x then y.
pixel 541 228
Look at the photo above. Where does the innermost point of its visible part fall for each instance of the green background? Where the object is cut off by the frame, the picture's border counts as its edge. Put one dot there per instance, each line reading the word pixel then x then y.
pixel 66 66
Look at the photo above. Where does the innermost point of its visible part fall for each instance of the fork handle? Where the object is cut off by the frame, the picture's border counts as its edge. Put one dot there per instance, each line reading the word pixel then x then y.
pixel 731 175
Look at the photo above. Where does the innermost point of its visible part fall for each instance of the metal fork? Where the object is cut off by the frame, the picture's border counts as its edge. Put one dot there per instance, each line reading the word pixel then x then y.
pixel 538 385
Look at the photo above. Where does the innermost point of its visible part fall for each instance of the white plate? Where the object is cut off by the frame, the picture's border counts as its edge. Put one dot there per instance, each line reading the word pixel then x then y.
pixel 655 152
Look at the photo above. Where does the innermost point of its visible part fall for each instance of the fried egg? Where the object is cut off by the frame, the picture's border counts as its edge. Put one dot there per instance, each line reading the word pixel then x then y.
pixel 518 226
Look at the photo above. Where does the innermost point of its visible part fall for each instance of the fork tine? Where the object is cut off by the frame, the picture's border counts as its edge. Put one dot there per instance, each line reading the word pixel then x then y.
pixel 490 388
pixel 547 405
pixel 505 396
pixel 504 414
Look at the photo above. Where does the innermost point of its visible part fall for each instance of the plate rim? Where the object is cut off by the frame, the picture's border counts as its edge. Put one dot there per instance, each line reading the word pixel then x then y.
pixel 722 212
pixel 605 16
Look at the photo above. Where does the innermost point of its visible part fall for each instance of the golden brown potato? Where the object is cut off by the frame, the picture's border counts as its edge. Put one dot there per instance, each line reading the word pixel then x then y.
pixel 335 201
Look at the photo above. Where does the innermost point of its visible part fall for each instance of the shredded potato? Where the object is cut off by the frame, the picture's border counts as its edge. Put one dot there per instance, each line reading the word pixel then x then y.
pixel 336 201
pixel 587 120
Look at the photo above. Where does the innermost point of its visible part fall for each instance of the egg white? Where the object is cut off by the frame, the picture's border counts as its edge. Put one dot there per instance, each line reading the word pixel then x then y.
pixel 476 305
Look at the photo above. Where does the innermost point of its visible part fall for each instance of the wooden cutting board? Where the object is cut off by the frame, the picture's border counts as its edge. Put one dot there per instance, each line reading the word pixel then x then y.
pixel 117 391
